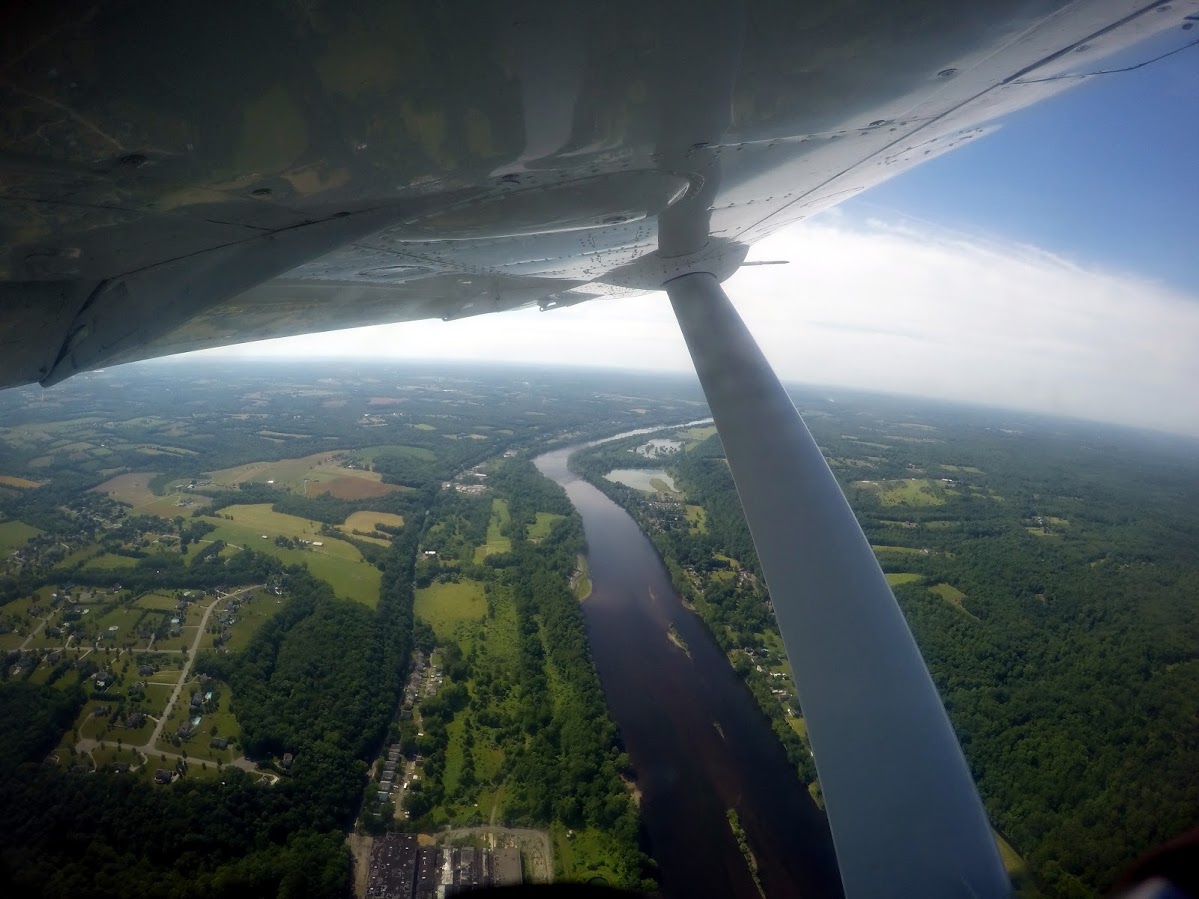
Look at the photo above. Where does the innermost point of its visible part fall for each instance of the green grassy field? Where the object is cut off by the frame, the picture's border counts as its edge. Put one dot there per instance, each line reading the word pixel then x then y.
pixel 496 541
pixel 540 529
pixel 368 521
pixel 584 858
pixel 906 492
pixel 133 489
pixel 108 561
pixel 336 562
pixel 123 617
pixel 1012 862
pixel 160 601
pixel 156 695
pixel 902 577
pixel 369 454
pixel 83 554
pixel 694 436
pixel 949 593
pixel 447 606
pixel 250 617
pixel 903 550
pixel 697 518
pixel 1040 533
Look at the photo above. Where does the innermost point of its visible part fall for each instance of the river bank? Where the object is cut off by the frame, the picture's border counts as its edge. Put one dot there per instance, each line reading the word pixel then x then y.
pixel 666 702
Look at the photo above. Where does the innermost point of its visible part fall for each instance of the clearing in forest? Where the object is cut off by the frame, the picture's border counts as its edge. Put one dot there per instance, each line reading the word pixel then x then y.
pixel 445 606
pixel 496 541
pixel 540 529
pixel 907 492
pixel 15 534
pixel 949 593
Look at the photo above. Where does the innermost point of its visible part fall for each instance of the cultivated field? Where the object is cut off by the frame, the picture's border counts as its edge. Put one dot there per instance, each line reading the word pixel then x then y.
pixel 368 521
pixel 336 562
pixel 319 473
pixel 133 489
pixel 9 480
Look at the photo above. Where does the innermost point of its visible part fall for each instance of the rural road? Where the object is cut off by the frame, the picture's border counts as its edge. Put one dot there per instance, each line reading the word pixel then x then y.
pixel 148 747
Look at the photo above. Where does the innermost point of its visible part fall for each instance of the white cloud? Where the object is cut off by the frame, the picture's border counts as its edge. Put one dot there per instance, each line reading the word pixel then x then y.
pixel 894 307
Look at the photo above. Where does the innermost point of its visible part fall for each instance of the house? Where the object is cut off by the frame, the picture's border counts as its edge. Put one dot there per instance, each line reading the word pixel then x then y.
pixel 120 767
pixel 219 742
pixel 186 729
pixel 163 776
pixel 145 670
pixel 136 720
pixel 288 758
pixel 100 710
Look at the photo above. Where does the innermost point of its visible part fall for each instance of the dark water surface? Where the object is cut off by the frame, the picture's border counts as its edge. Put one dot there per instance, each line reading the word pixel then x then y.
pixel 695 735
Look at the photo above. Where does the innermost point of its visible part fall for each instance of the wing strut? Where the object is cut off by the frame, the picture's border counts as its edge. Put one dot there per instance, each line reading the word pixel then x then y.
pixel 905 816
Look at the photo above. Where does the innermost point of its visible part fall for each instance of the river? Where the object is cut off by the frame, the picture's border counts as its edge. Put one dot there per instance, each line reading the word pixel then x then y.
pixel 692 729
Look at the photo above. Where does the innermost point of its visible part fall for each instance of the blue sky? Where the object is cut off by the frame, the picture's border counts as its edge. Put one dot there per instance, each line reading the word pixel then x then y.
pixel 1052 266
pixel 1106 173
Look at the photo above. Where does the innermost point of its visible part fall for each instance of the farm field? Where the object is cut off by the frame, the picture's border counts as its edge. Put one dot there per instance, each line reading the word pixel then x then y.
pixel 310 475
pixel 336 562
pixel 133 489
pixel 8 480
pixel 368 521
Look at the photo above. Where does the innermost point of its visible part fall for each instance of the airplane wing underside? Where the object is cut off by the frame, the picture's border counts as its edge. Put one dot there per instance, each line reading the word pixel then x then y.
pixel 175 179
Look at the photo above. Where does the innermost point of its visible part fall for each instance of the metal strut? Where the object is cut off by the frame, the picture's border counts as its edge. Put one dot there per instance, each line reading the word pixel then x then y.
pixel 905 815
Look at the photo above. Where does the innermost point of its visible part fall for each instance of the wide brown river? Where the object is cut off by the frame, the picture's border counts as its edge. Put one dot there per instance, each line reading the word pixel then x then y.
pixel 693 731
